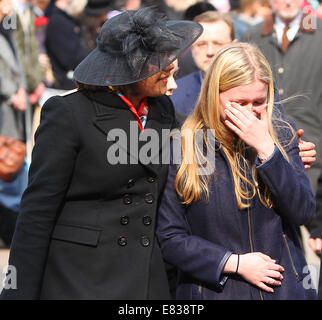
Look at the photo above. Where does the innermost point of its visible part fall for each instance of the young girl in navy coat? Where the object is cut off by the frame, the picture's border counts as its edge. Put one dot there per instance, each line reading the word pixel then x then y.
pixel 231 231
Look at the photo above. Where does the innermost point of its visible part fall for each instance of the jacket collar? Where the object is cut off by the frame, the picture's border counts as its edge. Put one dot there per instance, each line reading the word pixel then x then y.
pixel 110 112
pixel 268 25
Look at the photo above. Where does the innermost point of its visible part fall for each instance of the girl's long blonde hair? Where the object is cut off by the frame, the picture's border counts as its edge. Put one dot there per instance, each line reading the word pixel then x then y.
pixel 234 65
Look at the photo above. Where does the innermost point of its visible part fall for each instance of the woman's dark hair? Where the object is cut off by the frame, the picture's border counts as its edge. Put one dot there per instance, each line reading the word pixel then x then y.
pixel 197 9
pixel 82 86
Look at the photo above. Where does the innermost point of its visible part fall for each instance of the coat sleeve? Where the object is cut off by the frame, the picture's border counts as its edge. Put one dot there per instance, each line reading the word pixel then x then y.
pixel 195 256
pixel 53 158
pixel 287 181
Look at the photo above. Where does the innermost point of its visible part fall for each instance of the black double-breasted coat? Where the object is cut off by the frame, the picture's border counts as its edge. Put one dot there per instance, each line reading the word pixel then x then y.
pixel 86 228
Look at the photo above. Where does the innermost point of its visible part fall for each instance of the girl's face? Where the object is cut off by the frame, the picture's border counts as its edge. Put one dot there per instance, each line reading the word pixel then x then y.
pixel 252 96
pixel 172 85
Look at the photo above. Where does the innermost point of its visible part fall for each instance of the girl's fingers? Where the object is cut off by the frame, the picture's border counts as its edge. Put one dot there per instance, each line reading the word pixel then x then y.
pixel 276 267
pixel 272 282
pixel 239 112
pixel 275 275
pixel 264 287
pixel 308 159
pixel 266 257
pixel 234 119
pixel 306 146
pixel 235 129
pixel 307 153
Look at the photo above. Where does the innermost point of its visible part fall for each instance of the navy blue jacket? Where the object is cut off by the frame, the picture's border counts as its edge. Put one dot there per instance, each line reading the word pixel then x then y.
pixel 198 239
pixel 185 97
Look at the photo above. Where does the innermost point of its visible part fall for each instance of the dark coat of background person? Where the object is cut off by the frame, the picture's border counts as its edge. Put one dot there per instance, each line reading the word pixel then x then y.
pixel 198 238
pixel 185 97
pixel 64 46
pixel 95 235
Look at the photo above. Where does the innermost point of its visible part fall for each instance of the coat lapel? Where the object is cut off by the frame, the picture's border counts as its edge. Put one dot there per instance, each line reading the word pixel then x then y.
pixel 113 118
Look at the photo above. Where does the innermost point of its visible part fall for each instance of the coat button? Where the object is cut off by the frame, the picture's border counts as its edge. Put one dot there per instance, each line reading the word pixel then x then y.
pixel 127 199
pixel 124 220
pixel 151 179
pixel 130 183
pixel 145 241
pixel 149 198
pixel 122 241
pixel 147 220
pixel 281 91
pixel 280 70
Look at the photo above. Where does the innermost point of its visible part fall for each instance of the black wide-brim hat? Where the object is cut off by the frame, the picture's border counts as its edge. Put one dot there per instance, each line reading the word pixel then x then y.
pixel 133 46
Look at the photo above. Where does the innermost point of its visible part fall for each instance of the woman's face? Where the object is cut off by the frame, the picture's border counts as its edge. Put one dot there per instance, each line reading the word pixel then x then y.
pixel 155 85
pixel 172 85
pixel 252 96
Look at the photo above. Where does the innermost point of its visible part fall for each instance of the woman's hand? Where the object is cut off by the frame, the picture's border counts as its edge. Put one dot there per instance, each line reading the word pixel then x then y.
pixel 256 268
pixel 251 128
pixel 307 150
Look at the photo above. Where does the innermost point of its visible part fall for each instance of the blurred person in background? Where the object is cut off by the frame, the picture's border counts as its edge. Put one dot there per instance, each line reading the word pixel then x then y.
pixel 41 22
pixel 12 81
pixel 93 17
pixel 28 47
pixel 221 5
pixel 13 103
pixel 64 42
pixel 218 30
pixel 250 13
pixel 187 64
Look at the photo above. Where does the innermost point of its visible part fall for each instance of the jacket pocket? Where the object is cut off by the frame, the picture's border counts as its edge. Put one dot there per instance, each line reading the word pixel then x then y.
pixel 293 265
pixel 77 234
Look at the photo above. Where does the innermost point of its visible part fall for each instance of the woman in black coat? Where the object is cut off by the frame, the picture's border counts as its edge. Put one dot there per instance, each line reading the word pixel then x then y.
pixel 86 229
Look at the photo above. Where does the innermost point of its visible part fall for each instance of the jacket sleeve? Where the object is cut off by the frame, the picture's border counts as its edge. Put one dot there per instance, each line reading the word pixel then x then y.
pixel 53 158
pixel 195 256
pixel 288 182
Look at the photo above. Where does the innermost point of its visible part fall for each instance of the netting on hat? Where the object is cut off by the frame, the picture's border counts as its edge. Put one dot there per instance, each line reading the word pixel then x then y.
pixel 135 45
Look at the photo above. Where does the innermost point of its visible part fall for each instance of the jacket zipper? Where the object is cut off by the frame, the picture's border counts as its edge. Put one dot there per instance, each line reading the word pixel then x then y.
pixel 251 242
pixel 200 288
pixel 290 255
